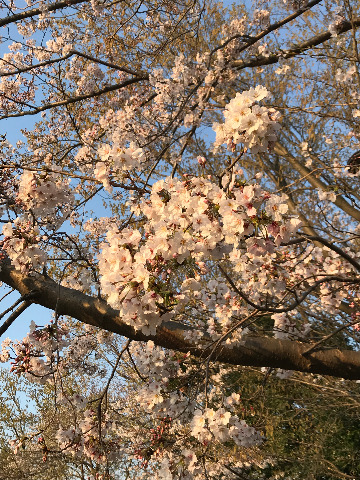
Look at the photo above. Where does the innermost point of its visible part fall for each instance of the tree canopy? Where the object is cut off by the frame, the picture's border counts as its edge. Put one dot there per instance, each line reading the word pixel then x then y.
pixel 186 206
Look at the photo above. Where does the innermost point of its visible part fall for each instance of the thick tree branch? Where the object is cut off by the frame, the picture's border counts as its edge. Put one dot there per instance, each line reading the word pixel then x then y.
pixel 17 17
pixel 295 50
pixel 253 351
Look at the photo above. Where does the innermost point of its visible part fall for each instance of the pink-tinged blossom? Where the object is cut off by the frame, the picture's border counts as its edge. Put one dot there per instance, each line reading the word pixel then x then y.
pixel 43 195
pixel 256 246
pixel 324 195
pixel 248 123
pixel 276 207
pixel 20 243
pixel 116 161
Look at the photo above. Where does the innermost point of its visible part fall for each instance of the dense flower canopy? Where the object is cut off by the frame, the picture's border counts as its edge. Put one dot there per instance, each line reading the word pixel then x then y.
pixel 185 208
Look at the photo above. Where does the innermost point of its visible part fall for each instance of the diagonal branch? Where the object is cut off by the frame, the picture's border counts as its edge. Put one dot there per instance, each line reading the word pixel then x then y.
pixel 271 28
pixel 45 63
pixel 17 17
pixel 68 101
pixel 314 181
pixel 16 313
pixel 295 50
pixel 253 351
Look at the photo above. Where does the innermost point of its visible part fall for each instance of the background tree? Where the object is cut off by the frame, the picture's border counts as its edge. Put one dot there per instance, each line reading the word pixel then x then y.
pixel 160 197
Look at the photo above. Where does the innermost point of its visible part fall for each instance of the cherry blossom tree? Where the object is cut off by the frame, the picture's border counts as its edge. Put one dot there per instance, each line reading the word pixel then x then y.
pixel 185 207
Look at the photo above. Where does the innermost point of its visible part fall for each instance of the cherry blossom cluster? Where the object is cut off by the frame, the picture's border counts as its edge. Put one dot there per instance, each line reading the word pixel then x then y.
pixel 90 79
pixel 20 244
pixel 81 280
pixel 187 222
pixel 338 21
pixel 313 262
pixel 172 88
pixel 35 354
pixel 84 439
pixel 223 426
pixel 261 17
pixel 232 32
pixel 116 161
pixel 5 350
pixel 285 327
pixel 295 4
pixel 248 123
pixel 44 195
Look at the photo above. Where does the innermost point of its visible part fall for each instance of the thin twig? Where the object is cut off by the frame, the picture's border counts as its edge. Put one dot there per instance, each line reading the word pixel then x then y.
pixel 324 339
pixel 104 393
pixel 218 342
